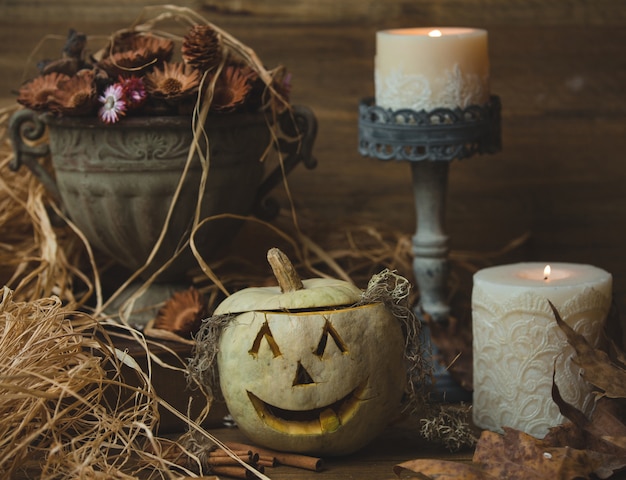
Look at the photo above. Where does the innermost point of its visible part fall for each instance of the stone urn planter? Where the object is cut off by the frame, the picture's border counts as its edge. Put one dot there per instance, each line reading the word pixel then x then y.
pixel 117 182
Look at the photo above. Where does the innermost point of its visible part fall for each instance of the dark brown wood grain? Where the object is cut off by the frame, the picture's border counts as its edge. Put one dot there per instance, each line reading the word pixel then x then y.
pixel 559 68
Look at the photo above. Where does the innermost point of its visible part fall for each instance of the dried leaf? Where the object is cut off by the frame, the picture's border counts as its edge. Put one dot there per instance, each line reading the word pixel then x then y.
pixel 567 410
pixel 614 332
pixel 597 366
pixel 608 419
pixel 519 455
pixel 602 436
pixel 442 470
pixel 617 441
pixel 516 456
pixel 567 433
pixel 617 355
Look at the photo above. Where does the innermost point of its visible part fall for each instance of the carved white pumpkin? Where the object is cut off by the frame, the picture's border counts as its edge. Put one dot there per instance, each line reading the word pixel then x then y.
pixel 301 370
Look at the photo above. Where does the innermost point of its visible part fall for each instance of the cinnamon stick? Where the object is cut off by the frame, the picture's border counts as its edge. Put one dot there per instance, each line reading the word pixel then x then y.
pixel 235 471
pixel 231 471
pixel 300 461
pixel 266 460
pixel 297 460
pixel 217 460
pixel 204 477
pixel 218 452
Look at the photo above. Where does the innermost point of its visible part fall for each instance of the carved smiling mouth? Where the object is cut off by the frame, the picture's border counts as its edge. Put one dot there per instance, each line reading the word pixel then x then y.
pixel 319 420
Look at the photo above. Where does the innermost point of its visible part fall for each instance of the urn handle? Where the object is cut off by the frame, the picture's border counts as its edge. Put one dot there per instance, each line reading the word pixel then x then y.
pixel 301 124
pixel 27 132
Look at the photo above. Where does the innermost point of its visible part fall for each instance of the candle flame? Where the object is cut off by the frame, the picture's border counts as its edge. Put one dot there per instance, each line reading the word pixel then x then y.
pixel 546 272
pixel 435 33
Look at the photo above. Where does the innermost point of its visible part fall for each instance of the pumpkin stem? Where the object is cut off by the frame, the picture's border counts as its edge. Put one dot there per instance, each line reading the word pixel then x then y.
pixel 285 273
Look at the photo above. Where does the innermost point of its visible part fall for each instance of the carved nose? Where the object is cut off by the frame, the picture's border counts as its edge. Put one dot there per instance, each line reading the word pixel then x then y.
pixel 302 376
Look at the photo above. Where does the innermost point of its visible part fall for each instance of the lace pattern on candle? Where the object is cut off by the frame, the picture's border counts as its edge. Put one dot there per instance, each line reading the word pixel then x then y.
pixel 516 345
pixel 411 90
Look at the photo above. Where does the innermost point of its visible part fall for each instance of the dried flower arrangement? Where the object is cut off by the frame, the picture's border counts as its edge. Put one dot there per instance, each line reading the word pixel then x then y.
pixel 148 70
pixel 136 73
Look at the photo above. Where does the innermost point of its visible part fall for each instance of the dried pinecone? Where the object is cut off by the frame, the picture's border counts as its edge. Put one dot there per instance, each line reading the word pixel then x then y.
pixel 202 48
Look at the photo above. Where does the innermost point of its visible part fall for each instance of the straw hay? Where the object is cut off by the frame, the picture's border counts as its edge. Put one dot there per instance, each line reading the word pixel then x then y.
pixel 63 400
pixel 67 405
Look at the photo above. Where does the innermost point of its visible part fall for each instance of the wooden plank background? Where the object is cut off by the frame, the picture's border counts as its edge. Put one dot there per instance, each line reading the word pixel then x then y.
pixel 559 67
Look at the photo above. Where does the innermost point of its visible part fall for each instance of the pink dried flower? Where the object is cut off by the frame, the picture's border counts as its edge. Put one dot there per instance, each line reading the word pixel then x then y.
pixel 134 91
pixel 113 104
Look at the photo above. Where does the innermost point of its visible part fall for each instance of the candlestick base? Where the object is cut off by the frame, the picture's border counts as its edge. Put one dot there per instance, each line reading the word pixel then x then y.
pixel 445 389
pixel 430 140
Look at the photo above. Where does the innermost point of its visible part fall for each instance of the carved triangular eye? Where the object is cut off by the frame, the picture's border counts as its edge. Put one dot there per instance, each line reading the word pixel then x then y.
pixel 302 376
pixel 329 331
pixel 266 333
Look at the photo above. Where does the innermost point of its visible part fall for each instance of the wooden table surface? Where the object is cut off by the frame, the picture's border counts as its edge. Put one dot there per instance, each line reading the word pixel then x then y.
pixel 400 442
pixel 397 444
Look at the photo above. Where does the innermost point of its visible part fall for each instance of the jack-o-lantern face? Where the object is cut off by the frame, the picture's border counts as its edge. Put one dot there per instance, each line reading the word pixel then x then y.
pixel 302 372
pixel 322 382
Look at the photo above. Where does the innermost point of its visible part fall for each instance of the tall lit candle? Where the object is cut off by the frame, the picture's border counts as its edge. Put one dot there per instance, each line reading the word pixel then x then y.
pixel 518 346
pixel 428 68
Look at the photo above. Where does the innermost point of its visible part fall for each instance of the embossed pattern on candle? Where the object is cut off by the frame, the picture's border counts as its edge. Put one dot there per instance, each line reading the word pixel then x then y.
pixel 454 89
pixel 516 346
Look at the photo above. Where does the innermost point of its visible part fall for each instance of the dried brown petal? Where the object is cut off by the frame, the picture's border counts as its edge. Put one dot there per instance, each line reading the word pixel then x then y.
pixel 157 47
pixel 133 53
pixel 175 80
pixel 40 93
pixel 77 95
pixel 67 66
pixel 129 62
pixel 231 89
pixel 182 313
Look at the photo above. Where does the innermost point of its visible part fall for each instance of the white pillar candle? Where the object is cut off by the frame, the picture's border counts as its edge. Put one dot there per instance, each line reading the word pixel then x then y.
pixel 428 68
pixel 517 344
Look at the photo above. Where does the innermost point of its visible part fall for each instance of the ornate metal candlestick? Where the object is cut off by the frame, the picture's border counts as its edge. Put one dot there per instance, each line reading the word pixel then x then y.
pixel 430 140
